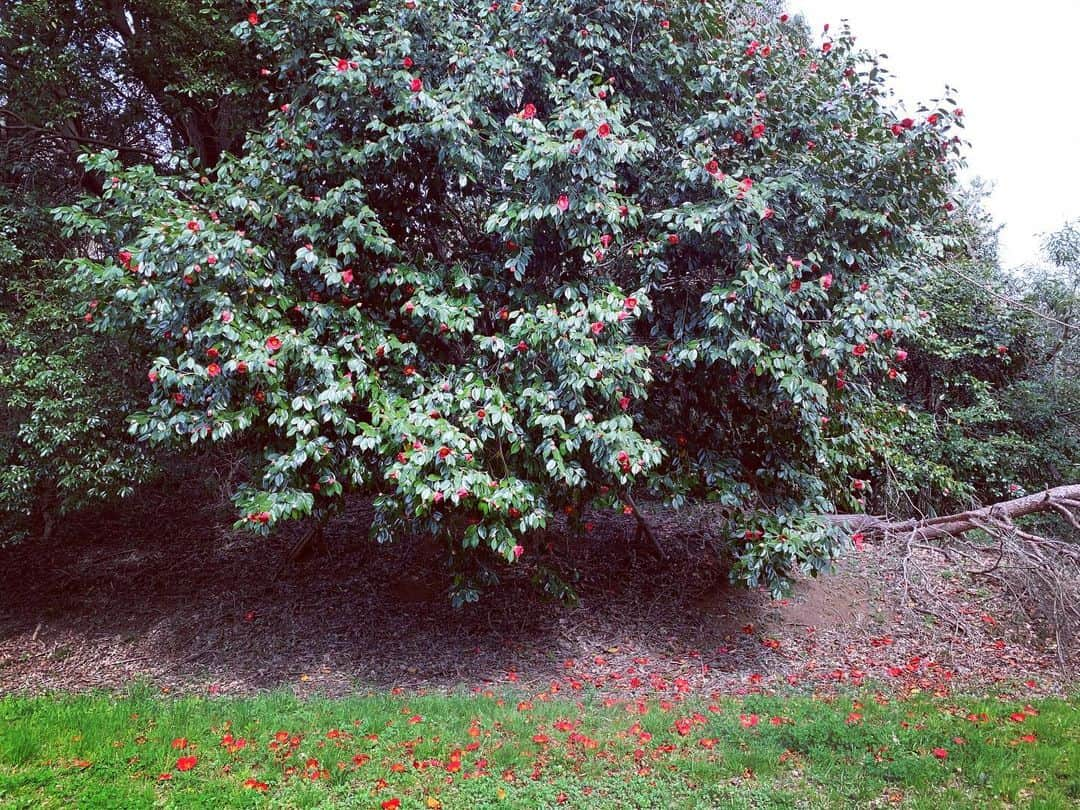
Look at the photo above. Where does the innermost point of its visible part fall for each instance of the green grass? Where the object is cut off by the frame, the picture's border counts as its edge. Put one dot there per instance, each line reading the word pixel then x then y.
pixel 98 750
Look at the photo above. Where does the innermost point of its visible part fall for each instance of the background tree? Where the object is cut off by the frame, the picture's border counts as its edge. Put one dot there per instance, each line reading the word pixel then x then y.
pixel 988 408
pixel 150 80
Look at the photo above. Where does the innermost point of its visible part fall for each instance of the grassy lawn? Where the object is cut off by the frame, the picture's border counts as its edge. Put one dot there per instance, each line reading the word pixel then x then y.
pixel 142 749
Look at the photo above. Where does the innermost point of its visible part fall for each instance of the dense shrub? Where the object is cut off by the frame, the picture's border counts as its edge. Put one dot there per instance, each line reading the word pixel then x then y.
pixel 494 262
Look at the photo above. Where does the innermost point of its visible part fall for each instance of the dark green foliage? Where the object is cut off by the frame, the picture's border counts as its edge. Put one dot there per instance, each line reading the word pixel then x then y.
pixel 146 78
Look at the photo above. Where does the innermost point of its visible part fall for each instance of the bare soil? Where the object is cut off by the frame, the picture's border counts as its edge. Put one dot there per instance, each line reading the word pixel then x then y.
pixel 162 590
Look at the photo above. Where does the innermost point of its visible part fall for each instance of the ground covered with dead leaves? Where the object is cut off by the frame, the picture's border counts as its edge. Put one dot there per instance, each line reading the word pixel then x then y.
pixel 167 593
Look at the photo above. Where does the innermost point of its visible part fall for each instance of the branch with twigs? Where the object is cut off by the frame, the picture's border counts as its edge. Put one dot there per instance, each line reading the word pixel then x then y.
pixel 1041 573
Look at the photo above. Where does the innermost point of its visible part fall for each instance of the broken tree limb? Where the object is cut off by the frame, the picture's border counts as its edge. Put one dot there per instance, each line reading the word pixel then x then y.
pixel 1062 500
pixel 1042 574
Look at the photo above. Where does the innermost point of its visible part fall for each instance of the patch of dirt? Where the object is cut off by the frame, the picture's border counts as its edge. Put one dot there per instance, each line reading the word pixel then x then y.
pixel 159 590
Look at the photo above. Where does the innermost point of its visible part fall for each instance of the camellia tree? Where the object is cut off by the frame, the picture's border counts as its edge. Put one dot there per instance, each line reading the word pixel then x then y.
pixel 494 262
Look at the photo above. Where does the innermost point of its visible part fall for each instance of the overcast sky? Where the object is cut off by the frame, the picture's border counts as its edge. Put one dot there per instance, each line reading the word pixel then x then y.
pixel 1016 72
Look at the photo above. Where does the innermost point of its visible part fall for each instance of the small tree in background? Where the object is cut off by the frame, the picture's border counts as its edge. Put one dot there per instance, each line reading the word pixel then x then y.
pixel 988 409
pixel 491 263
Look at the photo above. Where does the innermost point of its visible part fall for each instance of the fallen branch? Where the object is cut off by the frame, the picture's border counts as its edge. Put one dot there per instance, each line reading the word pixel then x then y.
pixel 1042 574
pixel 1059 499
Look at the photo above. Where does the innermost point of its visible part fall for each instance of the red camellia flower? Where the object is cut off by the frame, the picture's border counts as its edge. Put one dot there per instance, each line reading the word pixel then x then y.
pixel 343 65
pixel 603 130
pixel 1003 349
pixel 273 343
pixel 253 18
pixel 213 369
pixel 444 451
pixel 407 62
pixel 416 85
pixel 665 23
pixel 857 539
pixel 528 112
pixel 518 551
pixel 901 355
pixel 563 202
pixel 858 485
pixel 859 350
pixel 597 328
pixel 758 131
pixel 522 346
pixel 152 376
pixel 907 123
pixel 624 403
pixel 193 226
pixel 579 134
pixel 673 239
pixel 826 281
pixel 795 286
pixel 241 367
pixel 186 763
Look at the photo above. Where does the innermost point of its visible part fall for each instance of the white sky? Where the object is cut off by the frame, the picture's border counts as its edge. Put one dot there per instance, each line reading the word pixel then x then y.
pixel 1016 73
